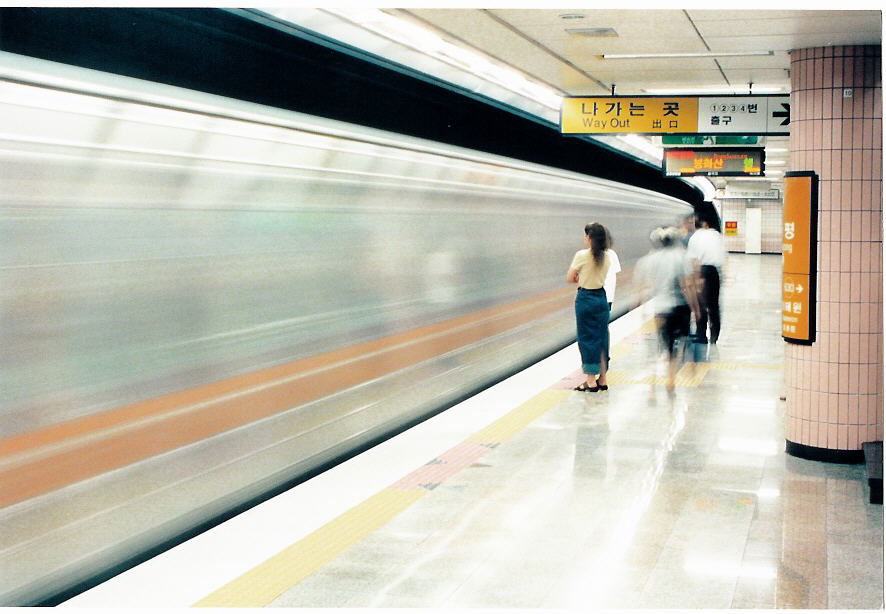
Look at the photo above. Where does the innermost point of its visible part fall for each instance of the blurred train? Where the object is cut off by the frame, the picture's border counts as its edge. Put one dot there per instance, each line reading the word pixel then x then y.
pixel 204 301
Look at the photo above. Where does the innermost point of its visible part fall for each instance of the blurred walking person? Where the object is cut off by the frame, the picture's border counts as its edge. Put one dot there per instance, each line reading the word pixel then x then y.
pixel 667 274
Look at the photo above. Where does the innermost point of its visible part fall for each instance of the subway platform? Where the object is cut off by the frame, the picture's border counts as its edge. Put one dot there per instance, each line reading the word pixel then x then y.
pixel 531 495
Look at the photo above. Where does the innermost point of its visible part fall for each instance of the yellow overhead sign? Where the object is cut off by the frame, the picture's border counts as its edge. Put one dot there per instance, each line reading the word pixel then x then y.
pixel 710 115
pixel 613 115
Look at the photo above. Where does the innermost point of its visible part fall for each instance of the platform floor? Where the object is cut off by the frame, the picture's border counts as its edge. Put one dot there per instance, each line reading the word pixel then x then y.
pixel 531 496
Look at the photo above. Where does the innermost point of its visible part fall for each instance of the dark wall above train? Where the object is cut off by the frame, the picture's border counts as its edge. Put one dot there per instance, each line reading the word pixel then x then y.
pixel 232 54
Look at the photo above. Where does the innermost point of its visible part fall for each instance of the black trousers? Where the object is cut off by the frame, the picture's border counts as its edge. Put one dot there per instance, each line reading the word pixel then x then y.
pixel 709 303
pixel 674 326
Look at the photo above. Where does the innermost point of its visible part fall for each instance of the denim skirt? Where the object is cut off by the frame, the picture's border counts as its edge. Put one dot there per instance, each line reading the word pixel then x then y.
pixel 592 324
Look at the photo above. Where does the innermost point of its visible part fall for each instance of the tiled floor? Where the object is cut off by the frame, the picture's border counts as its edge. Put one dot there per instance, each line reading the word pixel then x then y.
pixel 636 499
pixel 630 498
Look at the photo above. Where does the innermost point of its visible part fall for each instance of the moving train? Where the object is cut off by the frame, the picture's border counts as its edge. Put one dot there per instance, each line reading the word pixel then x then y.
pixel 203 301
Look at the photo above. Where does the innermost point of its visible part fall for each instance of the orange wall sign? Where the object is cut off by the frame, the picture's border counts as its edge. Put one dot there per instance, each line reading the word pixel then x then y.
pixel 730 229
pixel 799 241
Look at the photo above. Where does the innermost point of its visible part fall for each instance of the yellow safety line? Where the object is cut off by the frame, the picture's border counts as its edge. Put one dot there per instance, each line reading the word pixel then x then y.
pixel 648 327
pixel 690 374
pixel 516 420
pixel 265 582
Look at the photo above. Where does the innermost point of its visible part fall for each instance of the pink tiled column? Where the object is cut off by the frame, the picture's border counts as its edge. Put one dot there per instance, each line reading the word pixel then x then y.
pixel 835 386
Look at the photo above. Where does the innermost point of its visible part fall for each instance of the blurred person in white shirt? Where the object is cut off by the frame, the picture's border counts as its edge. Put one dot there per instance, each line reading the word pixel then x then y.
pixel 666 274
pixel 707 253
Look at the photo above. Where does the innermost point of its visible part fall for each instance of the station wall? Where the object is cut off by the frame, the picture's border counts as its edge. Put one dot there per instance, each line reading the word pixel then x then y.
pixel 735 210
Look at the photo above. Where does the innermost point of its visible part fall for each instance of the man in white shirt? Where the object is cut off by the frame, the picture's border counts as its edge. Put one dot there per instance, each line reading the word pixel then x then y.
pixel 609 283
pixel 707 252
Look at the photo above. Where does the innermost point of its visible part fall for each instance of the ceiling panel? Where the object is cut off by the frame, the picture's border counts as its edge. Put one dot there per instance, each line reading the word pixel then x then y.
pixel 763 62
pixel 806 25
pixel 751 16
pixel 758 76
pixel 639 34
pixel 472 26
pixel 596 17
pixel 782 42
pixel 477 29
pixel 649 75
pixel 646 44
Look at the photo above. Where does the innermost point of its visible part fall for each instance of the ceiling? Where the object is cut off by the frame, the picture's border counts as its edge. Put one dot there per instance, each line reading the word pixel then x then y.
pixel 565 49
pixel 560 47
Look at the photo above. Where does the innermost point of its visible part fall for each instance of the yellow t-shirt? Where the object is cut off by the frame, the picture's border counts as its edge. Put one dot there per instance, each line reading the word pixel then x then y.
pixel 590 276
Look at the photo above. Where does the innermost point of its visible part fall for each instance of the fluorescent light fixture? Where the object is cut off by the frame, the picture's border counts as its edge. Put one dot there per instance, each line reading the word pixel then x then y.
pixel 748 445
pixel 429 43
pixel 726 89
pixel 762 89
pixel 773 150
pixel 747 407
pixel 724 568
pixel 591 31
pixel 760 493
pixel 706 54
pixel 775 162
pixel 768 493
pixel 704 184
pixel 642 144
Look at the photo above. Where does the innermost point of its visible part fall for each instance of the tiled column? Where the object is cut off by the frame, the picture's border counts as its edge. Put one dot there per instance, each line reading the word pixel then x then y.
pixel 834 387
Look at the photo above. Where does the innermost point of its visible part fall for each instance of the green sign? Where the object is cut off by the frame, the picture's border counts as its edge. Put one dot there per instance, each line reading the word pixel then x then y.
pixel 702 139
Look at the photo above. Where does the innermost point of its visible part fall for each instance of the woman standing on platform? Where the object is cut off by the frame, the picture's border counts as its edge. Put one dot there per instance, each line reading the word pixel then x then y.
pixel 588 270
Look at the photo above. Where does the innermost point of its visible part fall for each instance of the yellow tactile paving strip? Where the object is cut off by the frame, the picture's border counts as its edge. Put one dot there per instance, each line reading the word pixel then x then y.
pixel 265 582
pixel 509 425
pixel 262 584
pixel 689 375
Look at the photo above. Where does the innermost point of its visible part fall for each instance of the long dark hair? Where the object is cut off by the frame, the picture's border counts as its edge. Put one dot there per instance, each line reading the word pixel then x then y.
pixel 597 234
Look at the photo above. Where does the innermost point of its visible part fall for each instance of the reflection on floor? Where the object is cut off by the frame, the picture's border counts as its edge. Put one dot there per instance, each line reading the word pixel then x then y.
pixel 634 498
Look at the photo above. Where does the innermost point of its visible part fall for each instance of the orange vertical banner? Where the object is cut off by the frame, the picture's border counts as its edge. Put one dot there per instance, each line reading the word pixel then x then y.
pixel 799 248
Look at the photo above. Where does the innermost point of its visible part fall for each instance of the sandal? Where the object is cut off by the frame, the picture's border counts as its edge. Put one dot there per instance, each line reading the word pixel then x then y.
pixel 583 387
pixel 602 386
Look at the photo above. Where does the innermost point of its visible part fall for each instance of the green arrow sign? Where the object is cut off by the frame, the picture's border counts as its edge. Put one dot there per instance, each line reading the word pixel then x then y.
pixel 701 139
